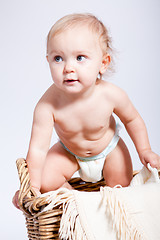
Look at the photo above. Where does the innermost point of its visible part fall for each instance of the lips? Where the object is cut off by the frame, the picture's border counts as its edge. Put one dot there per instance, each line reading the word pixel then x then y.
pixel 70 80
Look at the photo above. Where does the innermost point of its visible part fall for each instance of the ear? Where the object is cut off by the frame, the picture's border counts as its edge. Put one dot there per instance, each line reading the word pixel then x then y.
pixel 47 57
pixel 105 63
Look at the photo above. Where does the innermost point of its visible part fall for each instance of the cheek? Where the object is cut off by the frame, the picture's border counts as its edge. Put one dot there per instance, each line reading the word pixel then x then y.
pixel 56 71
pixel 93 70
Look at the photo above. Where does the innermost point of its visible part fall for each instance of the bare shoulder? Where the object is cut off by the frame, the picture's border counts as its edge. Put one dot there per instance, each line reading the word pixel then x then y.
pixel 48 99
pixel 45 106
pixel 48 96
pixel 113 91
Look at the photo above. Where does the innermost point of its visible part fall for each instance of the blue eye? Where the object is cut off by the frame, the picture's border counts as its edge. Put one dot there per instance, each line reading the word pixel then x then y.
pixel 80 58
pixel 58 58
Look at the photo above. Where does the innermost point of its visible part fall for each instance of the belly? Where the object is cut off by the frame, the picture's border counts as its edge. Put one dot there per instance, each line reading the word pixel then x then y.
pixel 91 148
pixel 85 144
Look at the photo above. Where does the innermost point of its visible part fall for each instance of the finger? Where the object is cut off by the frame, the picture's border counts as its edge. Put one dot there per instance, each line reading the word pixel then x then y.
pixel 15 200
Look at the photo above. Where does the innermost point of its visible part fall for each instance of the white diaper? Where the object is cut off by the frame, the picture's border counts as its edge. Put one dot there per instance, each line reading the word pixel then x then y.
pixel 91 168
pixel 91 171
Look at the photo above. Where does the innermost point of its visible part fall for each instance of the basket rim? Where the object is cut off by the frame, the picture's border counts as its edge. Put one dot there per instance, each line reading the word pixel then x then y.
pixel 30 203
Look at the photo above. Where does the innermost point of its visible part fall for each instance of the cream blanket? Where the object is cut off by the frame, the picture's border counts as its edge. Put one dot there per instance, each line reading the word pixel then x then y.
pixel 113 213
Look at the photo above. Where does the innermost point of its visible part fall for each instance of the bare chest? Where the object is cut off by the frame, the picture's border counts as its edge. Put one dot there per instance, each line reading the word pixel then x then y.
pixel 87 120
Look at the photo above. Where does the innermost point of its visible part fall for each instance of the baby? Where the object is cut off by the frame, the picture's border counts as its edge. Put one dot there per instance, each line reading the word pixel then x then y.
pixel 80 106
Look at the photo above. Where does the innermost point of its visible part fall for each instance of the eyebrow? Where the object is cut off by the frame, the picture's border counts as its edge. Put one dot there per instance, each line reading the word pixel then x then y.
pixel 78 52
pixel 55 52
pixel 82 51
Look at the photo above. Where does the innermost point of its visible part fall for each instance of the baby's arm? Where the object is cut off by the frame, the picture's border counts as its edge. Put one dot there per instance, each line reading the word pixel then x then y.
pixel 39 142
pixel 136 128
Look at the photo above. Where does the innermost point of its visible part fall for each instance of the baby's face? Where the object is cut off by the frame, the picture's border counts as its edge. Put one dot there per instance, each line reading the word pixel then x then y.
pixel 75 59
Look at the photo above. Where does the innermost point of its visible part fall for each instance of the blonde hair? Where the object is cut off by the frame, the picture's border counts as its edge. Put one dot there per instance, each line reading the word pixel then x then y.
pixel 93 23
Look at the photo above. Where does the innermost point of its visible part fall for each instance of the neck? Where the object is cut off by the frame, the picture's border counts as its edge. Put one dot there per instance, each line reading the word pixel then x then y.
pixel 83 95
pixel 80 96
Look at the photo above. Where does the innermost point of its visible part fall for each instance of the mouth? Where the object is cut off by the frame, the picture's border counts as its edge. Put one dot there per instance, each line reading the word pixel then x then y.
pixel 69 81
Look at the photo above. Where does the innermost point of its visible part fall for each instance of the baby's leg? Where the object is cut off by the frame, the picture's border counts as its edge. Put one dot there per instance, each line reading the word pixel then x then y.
pixel 59 167
pixel 118 166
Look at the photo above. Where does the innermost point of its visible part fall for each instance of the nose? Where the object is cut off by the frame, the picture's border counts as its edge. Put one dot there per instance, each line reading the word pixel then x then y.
pixel 69 67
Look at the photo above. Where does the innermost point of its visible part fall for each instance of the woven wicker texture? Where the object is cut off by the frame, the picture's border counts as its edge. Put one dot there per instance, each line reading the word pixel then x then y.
pixel 44 225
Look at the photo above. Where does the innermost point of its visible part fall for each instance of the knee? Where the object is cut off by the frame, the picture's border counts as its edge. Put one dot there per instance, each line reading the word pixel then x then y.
pixel 118 178
pixel 124 181
pixel 52 182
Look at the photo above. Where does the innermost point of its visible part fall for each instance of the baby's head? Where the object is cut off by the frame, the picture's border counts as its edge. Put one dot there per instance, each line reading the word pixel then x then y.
pixel 93 24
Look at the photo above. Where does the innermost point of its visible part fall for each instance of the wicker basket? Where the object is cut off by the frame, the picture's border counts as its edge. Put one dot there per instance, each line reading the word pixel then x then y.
pixel 44 225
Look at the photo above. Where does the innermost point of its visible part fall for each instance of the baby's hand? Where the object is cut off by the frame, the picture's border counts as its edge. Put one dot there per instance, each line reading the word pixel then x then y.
pixel 148 156
pixel 15 200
